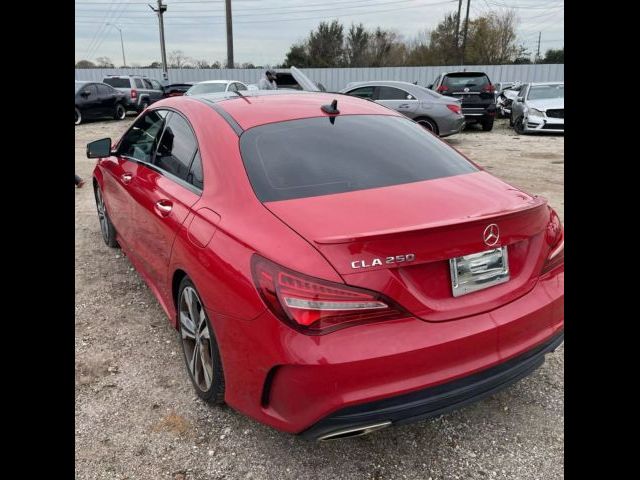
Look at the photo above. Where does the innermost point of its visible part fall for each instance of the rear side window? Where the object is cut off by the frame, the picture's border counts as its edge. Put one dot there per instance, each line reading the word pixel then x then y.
pixel 475 82
pixel 240 86
pixel 118 82
pixel 391 93
pixel 195 173
pixel 176 147
pixel 362 92
pixel 140 141
pixel 313 156
pixel 138 82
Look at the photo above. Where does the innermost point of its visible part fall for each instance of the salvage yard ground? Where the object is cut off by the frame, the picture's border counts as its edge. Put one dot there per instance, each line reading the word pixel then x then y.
pixel 137 416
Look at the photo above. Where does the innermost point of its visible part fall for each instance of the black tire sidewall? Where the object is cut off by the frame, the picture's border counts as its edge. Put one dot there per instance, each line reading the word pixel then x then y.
pixel 79 113
pixel 110 239
pixel 518 125
pixel 434 127
pixel 487 125
pixel 215 394
pixel 120 112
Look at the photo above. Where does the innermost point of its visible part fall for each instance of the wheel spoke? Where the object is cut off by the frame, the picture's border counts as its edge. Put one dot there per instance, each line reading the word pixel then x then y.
pixel 194 361
pixel 186 327
pixel 191 305
pixel 205 368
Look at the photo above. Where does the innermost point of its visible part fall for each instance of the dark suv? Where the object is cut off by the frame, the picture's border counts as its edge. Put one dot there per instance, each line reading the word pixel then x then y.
pixel 475 91
pixel 140 91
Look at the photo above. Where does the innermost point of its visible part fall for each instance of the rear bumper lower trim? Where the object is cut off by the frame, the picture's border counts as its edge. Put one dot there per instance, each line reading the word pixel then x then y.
pixel 433 401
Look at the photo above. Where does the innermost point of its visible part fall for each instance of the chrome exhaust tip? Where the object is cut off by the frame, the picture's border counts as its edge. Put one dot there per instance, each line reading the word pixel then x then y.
pixel 353 432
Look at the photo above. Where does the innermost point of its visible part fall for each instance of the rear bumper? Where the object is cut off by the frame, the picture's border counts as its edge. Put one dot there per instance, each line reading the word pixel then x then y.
pixel 453 127
pixel 434 401
pixel 293 381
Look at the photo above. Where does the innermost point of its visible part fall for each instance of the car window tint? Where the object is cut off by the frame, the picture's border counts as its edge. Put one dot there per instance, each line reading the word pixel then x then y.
pixel 241 86
pixel 475 82
pixel 104 90
pixel 316 156
pixel 232 87
pixel 156 85
pixel 391 93
pixel 176 147
pixel 118 82
pixel 139 83
pixel 147 84
pixel 195 173
pixel 362 92
pixel 140 141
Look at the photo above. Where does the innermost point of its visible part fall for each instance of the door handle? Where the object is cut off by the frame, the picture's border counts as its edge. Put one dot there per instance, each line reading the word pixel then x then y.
pixel 126 177
pixel 163 207
pixel 404 105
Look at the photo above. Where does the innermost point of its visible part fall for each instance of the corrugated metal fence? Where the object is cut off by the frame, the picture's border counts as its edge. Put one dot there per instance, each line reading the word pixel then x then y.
pixel 337 78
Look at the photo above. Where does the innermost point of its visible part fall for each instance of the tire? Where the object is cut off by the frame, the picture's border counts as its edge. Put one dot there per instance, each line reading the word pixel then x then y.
pixel 511 119
pixel 518 125
pixel 199 346
pixel 144 104
pixel 78 116
pixel 119 113
pixel 487 125
pixel 106 227
pixel 428 124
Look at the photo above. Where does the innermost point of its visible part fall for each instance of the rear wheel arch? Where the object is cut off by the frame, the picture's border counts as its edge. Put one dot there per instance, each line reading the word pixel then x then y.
pixel 429 119
pixel 176 279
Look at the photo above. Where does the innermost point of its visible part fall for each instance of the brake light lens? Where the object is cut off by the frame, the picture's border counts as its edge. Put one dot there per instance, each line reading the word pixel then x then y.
pixel 489 88
pixel 134 94
pixel 314 306
pixel 555 239
pixel 455 108
pixel 442 88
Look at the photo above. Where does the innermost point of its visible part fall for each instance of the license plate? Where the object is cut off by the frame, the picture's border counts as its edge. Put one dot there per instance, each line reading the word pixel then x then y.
pixel 478 271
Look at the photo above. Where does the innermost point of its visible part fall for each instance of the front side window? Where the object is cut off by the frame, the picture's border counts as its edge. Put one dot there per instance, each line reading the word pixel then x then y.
pixel 232 87
pixel 147 84
pixel 155 84
pixel 104 90
pixel 391 93
pixel 241 86
pixel 362 92
pixel 315 156
pixel 141 140
pixel 176 147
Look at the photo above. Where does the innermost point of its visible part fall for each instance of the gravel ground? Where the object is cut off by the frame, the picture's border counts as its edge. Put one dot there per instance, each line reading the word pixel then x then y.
pixel 137 416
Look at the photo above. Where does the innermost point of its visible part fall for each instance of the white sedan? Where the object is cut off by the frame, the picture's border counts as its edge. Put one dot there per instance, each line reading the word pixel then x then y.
pixel 213 86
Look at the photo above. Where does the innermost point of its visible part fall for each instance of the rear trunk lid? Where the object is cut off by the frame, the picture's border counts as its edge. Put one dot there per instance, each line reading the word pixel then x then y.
pixel 398 239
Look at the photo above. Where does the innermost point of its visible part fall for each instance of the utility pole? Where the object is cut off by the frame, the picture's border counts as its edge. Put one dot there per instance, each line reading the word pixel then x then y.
pixel 464 38
pixel 160 11
pixel 538 54
pixel 227 5
pixel 458 26
pixel 124 61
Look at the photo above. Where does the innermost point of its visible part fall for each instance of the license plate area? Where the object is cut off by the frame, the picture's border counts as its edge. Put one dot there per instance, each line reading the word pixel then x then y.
pixel 478 271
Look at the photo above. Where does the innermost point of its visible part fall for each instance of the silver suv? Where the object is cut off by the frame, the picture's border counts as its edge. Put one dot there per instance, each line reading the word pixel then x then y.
pixel 140 92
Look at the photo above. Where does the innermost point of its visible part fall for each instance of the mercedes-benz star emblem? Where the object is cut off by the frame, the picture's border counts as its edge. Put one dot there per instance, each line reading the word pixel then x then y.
pixel 491 235
pixel 466 89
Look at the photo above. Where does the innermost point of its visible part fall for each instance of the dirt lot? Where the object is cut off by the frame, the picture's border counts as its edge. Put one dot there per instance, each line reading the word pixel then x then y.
pixel 138 418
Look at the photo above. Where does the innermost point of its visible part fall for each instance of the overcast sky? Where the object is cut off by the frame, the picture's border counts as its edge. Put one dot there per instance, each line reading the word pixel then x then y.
pixel 264 30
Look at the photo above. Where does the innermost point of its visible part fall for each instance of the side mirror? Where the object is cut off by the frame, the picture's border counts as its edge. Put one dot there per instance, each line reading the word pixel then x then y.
pixel 430 87
pixel 520 99
pixel 99 148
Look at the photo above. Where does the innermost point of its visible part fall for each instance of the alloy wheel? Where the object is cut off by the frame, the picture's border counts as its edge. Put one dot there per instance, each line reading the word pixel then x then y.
pixel 102 215
pixel 196 339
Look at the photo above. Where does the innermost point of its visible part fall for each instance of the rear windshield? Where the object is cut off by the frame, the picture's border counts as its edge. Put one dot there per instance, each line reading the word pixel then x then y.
pixel 473 81
pixel 541 92
pixel 207 88
pixel 313 156
pixel 118 82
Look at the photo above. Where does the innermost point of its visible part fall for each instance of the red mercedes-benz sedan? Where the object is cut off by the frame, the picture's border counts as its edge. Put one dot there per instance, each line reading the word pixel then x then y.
pixel 332 267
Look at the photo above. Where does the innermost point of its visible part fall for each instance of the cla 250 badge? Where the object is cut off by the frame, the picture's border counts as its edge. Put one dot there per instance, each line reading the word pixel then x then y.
pixel 378 262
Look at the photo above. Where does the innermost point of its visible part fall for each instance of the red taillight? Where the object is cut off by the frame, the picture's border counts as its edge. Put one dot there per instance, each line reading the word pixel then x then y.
pixel 489 88
pixel 134 94
pixel 454 108
pixel 442 88
pixel 314 306
pixel 555 239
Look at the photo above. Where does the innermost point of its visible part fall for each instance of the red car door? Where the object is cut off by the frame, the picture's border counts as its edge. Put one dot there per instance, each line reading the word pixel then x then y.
pixel 164 194
pixel 120 181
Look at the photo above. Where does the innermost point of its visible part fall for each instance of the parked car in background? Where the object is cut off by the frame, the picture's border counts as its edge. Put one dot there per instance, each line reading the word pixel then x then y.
pixel 475 91
pixel 293 79
pixel 437 113
pixel 176 89
pixel 331 270
pixel 140 91
pixel 216 86
pixel 539 108
pixel 505 98
pixel 98 100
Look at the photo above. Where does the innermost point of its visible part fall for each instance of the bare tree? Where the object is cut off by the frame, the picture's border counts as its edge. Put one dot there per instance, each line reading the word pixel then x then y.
pixel 178 59
pixel 201 64
pixel 85 64
pixel 104 62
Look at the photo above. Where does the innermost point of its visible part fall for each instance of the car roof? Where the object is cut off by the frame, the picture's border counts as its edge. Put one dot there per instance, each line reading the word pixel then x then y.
pixel 259 107
pixel 461 74
pixel 218 81
pixel 535 84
